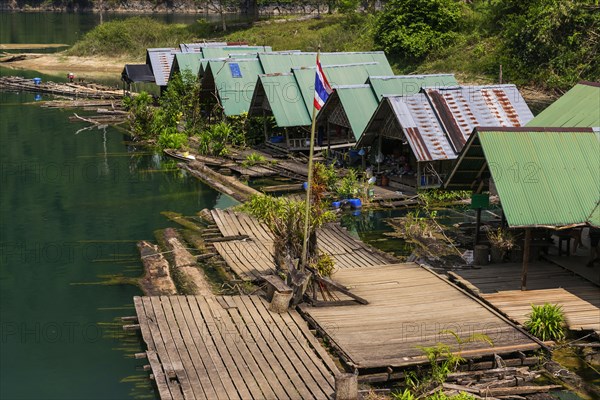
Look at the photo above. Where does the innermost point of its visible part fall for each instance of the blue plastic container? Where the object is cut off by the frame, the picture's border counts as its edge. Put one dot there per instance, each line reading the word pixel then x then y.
pixel 353 153
pixel 37 81
pixel 336 204
pixel 355 203
pixel 356 213
pixel 277 139
pixel 305 186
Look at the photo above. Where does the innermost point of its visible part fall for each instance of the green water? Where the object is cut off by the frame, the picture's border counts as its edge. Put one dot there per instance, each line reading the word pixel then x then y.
pixel 67 28
pixel 72 207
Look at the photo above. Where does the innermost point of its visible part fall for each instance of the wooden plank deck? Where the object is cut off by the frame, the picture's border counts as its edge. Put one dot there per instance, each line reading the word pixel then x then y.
pixel 516 304
pixel 253 257
pixel 231 348
pixel 546 282
pixel 409 306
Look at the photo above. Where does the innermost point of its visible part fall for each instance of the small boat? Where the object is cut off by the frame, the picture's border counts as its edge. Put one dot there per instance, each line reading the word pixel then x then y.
pixel 180 155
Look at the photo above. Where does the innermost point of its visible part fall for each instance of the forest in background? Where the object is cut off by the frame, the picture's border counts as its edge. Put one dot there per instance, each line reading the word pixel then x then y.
pixel 548 44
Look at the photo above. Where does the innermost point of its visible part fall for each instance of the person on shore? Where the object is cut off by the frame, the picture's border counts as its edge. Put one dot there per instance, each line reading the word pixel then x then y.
pixel 594 246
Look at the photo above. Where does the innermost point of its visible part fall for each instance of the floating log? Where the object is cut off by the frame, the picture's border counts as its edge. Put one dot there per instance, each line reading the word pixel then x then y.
pixel 89 90
pixel 134 327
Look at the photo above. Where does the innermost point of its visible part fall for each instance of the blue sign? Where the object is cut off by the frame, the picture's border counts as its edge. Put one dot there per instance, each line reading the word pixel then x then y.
pixel 235 70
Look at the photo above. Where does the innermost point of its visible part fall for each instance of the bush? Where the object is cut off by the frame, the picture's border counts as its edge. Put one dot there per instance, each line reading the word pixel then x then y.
pixel 411 29
pixel 215 139
pixel 546 322
pixel 553 42
pixel 130 36
pixel 141 113
pixel 171 139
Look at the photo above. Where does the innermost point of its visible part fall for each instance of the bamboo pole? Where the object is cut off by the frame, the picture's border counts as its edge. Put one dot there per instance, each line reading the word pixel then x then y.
pixel 309 183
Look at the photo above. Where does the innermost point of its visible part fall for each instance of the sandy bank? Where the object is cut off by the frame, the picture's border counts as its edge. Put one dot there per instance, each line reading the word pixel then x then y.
pixel 60 64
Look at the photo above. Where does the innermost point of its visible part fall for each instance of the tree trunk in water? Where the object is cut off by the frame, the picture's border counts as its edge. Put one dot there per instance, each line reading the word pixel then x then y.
pixel 223 19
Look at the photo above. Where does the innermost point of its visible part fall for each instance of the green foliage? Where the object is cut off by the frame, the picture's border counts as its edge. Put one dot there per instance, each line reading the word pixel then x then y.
pixel 337 32
pixel 437 196
pixel 404 395
pixel 553 42
pixel 501 238
pixel 327 174
pixel 285 219
pixel 251 127
pixel 171 139
pixel 349 186
pixel 546 322
pixel 180 103
pixel 324 265
pixel 253 159
pixel 215 140
pixel 141 113
pixel 131 37
pixel 411 29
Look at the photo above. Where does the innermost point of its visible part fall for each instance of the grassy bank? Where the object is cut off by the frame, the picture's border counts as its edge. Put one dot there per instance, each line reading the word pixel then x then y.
pixel 480 41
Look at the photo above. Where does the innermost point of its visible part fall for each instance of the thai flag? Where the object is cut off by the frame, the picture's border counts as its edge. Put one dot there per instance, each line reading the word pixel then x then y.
pixel 322 87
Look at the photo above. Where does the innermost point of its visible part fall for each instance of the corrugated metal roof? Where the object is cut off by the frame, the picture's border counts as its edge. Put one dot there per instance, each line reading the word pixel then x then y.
pixel 545 177
pixel 226 51
pixel 358 102
pixel 235 93
pixel 284 98
pixel 438 122
pixel 579 107
pixel 285 61
pixel 337 75
pixel 405 85
pixel 160 61
pixel 186 61
pixel 197 47
pixel 462 109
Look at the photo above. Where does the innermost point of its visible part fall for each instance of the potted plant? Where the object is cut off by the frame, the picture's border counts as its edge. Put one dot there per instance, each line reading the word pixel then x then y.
pixel 501 241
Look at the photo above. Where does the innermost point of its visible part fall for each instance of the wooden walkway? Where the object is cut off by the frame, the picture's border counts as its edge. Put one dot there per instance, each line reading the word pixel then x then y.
pixel 250 258
pixel 516 304
pixel 546 282
pixel 409 307
pixel 231 348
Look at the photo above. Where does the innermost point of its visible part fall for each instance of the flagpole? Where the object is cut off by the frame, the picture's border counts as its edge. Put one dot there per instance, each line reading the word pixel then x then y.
pixel 309 183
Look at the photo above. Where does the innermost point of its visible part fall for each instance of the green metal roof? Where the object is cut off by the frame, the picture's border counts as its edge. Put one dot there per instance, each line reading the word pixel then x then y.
pixel 544 176
pixel 359 104
pixel 284 98
pixel 186 61
pixel 406 85
pixel 220 52
pixel 235 93
pixel 284 62
pixel 579 107
pixel 338 75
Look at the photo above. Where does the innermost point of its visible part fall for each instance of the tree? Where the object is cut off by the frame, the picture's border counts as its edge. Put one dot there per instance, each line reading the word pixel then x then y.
pixel 411 29
pixel 552 42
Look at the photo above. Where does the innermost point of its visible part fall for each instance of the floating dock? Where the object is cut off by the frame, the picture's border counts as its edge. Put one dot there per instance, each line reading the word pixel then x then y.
pixel 410 307
pixel 499 284
pixel 252 257
pixel 206 347
pixel 71 89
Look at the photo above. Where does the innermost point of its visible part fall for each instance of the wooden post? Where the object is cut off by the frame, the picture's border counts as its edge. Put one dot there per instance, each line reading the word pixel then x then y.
pixel 525 258
pixel 477 225
pixel 280 302
pixel 265 125
pixel 346 387
pixel 500 75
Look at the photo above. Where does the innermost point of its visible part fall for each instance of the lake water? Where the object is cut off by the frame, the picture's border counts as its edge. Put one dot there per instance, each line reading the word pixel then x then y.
pixel 72 206
pixel 67 28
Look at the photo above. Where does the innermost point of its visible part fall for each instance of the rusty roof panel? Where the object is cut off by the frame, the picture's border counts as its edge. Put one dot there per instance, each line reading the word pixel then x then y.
pixel 438 121
pixel 421 128
pixel 161 60
pixel 473 106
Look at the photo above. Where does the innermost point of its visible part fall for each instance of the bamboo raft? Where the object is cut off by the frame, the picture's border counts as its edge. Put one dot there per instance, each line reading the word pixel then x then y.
pixel 205 347
pixel 85 90
pixel 252 257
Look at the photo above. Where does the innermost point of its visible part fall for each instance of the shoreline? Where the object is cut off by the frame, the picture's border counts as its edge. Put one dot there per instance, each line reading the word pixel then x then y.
pixel 60 64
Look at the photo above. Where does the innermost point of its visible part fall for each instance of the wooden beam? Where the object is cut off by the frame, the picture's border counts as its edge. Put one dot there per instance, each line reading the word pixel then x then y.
pixel 525 258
